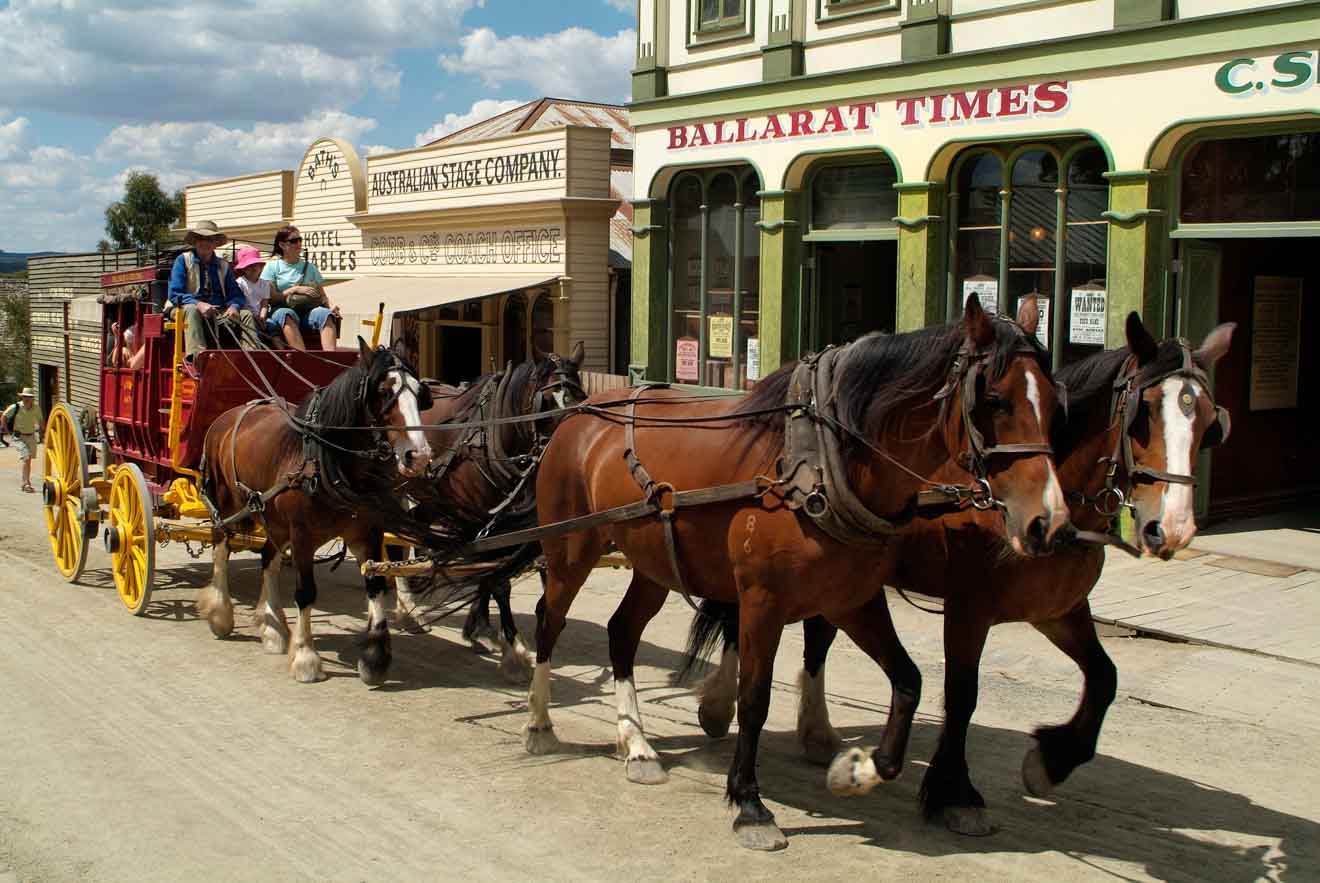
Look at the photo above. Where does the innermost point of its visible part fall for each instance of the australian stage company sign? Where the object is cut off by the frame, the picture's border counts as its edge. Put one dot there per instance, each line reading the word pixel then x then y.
pixel 484 171
pixel 979 105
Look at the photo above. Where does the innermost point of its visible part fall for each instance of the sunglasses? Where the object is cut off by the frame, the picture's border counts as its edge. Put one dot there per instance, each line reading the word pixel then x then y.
pixel 294 239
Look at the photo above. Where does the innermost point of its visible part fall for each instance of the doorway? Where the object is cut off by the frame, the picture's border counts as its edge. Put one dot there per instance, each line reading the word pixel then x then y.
pixel 48 388
pixel 854 291
pixel 1268 287
pixel 460 354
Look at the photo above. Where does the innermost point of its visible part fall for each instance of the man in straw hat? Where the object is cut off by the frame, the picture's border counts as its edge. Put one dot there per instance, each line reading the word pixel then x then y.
pixel 25 421
pixel 203 286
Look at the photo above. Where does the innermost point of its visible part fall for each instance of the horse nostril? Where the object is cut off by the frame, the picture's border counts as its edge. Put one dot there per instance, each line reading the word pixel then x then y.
pixel 1037 531
pixel 1153 534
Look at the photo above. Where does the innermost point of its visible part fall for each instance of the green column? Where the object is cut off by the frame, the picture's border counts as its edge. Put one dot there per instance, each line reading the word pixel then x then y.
pixel 1138 252
pixel 920 256
pixel 781 275
pixel 650 291
pixel 925 31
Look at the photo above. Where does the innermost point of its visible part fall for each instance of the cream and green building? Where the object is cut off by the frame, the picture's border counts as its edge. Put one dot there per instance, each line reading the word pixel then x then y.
pixel 806 171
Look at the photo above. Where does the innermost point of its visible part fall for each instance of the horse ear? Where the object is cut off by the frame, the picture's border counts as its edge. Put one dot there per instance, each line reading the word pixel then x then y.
pixel 1215 344
pixel 579 354
pixel 978 326
pixel 537 355
pixel 365 353
pixel 1028 314
pixel 1143 346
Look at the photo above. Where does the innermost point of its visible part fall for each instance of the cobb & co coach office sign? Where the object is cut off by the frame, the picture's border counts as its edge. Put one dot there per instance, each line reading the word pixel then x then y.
pixel 533 245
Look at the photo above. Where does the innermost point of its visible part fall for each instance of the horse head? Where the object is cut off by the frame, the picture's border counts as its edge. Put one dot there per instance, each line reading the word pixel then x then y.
pixel 557 380
pixel 1168 415
pixel 1000 388
pixel 394 399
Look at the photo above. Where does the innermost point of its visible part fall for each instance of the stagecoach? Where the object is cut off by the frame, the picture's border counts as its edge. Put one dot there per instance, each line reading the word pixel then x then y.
pixel 138 486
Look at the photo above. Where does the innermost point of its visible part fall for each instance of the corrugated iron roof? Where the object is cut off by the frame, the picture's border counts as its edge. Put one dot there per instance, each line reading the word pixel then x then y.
pixel 549 113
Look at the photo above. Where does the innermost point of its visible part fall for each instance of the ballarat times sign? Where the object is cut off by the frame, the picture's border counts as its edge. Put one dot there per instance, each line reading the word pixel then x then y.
pixel 524 245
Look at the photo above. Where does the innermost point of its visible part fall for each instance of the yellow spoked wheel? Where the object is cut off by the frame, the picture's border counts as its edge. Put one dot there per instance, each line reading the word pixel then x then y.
pixel 130 538
pixel 69 503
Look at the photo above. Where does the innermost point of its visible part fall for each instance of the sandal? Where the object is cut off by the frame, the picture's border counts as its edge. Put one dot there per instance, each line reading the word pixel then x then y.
pixel 29 489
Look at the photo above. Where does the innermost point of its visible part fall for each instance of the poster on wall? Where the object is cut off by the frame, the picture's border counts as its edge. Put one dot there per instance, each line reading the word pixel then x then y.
pixel 1086 324
pixel 1276 319
pixel 1043 311
pixel 720 337
pixel 753 358
pixel 986 289
pixel 686 352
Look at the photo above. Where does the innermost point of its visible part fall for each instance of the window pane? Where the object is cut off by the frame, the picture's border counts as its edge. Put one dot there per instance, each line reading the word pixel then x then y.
pixel 543 322
pixel 854 197
pixel 1084 264
pixel 1032 211
pixel 732 8
pixel 978 191
pixel 710 11
pixel 979 183
pixel 1271 178
pixel 686 267
pixel 751 282
pixel 720 252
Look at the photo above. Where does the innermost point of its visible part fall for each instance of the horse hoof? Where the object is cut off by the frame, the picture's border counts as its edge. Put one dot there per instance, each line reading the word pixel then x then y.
pixel 1034 775
pixel 852 774
pixel 371 676
pixel 306 666
pixel 763 836
pixel 821 749
pixel 541 740
pixel 274 643
pixel 218 614
pixel 646 771
pixel 715 725
pixel 515 662
pixel 971 821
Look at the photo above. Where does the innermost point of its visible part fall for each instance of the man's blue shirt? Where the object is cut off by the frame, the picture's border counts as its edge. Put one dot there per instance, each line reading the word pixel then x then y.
pixel 221 293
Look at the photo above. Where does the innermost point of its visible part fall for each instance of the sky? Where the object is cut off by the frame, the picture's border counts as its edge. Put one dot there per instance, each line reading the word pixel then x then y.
pixel 90 91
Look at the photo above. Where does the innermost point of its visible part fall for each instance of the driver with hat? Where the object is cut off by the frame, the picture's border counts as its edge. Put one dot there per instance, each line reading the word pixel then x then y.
pixel 202 284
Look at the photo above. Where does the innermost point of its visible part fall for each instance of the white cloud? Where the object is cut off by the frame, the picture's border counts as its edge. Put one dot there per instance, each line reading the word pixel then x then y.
pixel 624 6
pixel 11 136
pixel 573 63
pixel 377 149
pixel 217 151
pixel 483 109
pixel 236 60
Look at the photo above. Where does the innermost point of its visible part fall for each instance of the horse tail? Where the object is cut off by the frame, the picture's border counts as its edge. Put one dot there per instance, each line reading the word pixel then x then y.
pixel 713 621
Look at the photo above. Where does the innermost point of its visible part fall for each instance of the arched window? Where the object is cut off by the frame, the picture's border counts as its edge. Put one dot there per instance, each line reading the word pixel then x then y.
pixel 1245 180
pixel 515 329
pixel 1006 240
pixel 715 276
pixel 854 197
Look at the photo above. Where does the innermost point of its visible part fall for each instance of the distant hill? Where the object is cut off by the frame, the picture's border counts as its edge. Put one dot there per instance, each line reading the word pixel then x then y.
pixel 13 261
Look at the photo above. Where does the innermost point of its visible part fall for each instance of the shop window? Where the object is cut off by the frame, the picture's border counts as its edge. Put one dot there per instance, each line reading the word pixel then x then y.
pixel 860 197
pixel 1013 214
pixel 1266 178
pixel 515 329
pixel 718 15
pixel 715 272
pixel 543 323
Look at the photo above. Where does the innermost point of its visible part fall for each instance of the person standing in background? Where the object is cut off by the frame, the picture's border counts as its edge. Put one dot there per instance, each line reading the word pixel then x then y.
pixel 26 423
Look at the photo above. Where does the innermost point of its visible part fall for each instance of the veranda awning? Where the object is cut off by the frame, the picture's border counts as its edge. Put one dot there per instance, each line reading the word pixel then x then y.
pixel 358 298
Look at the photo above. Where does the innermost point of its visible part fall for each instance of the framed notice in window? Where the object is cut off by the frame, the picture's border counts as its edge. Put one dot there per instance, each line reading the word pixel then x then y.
pixel 686 356
pixel 1276 333
pixel 719 343
pixel 986 289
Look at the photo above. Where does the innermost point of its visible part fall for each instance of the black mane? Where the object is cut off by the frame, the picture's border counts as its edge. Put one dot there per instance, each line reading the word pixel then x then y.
pixel 883 375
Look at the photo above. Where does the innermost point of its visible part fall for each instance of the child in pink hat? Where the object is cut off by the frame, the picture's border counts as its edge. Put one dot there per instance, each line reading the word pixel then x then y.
pixel 256 291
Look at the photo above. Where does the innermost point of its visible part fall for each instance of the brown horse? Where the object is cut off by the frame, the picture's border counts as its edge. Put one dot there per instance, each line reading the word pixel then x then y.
pixel 480 479
pixel 1154 400
pixel 904 404
pixel 335 463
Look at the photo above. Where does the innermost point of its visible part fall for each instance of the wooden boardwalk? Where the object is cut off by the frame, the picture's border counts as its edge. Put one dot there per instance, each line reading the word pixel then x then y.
pixel 1217 600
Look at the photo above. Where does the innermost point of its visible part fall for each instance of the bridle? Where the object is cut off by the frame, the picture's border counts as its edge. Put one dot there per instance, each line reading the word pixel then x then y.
pixel 1125 403
pixel 967 368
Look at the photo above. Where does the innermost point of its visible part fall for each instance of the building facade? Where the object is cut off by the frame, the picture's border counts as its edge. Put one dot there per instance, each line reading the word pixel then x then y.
pixel 807 171
pixel 484 246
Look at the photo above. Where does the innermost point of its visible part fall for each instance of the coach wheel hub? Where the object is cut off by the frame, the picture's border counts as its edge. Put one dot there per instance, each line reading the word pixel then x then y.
pixel 114 540
pixel 52 492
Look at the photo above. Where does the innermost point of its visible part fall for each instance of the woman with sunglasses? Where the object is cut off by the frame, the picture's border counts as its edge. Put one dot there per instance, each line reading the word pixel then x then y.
pixel 298 288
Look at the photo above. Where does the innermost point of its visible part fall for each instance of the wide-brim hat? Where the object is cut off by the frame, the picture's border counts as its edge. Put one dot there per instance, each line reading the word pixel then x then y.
pixel 26 393
pixel 247 257
pixel 204 230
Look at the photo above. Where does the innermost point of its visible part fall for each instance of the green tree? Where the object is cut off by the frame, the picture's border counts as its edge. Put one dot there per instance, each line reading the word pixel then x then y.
pixel 144 216
pixel 16 345
pixel 104 246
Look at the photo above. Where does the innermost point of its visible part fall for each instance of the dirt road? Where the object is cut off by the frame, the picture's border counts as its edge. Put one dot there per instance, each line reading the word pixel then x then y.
pixel 144 749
